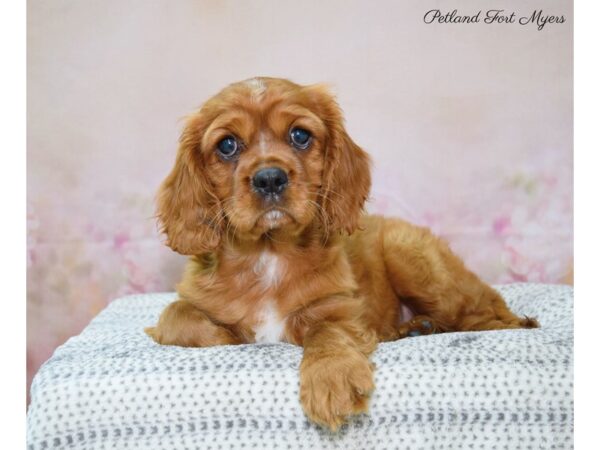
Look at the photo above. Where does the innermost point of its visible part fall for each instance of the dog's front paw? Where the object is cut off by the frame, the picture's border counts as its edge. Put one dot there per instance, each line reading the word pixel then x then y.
pixel 335 387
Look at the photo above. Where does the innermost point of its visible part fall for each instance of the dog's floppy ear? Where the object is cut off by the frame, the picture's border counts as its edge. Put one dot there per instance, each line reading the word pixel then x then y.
pixel 346 174
pixel 187 209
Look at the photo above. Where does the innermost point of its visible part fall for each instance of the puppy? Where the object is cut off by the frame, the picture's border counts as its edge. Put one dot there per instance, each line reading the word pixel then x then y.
pixel 266 195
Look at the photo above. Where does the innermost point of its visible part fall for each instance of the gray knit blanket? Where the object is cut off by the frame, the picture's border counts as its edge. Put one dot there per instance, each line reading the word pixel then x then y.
pixel 112 387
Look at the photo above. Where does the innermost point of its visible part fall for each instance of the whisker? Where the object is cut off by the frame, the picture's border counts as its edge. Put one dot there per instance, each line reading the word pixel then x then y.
pixel 324 219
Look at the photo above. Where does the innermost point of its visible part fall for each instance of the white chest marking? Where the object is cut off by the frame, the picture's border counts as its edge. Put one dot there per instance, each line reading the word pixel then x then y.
pixel 269 326
pixel 268 268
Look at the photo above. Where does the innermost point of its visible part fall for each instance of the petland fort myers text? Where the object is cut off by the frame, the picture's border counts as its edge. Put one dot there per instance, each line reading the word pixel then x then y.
pixel 538 18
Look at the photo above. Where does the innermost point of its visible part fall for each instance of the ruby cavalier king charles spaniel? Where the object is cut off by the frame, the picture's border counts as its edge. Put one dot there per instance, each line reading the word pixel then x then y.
pixel 267 196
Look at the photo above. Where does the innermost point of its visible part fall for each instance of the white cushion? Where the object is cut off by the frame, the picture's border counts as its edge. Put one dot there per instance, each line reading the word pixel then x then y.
pixel 113 387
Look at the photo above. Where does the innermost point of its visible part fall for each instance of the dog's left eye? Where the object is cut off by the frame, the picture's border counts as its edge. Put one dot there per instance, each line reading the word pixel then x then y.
pixel 300 138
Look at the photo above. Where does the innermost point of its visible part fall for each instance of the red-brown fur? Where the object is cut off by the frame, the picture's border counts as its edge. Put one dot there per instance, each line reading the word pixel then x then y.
pixel 340 277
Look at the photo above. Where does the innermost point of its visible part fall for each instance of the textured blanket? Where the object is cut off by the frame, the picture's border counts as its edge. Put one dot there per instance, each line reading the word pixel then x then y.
pixel 113 387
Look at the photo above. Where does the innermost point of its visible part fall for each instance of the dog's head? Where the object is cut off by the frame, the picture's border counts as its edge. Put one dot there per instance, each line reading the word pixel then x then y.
pixel 263 157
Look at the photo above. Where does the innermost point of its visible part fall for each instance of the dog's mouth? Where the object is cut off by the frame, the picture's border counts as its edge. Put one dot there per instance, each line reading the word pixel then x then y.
pixel 274 218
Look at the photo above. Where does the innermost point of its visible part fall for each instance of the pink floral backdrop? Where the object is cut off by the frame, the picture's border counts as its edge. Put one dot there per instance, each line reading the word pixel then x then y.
pixel 470 129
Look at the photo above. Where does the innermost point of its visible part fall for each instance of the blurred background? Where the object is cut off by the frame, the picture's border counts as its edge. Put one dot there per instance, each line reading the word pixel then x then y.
pixel 469 126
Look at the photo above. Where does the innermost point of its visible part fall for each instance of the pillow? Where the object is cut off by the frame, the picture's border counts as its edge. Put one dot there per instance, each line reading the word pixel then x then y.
pixel 113 387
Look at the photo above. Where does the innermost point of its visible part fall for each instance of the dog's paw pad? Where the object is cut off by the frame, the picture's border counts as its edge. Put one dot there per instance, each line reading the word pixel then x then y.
pixel 417 326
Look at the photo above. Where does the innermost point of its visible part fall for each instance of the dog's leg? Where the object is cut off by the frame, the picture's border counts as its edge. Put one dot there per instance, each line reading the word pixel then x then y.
pixel 336 376
pixel 434 282
pixel 184 325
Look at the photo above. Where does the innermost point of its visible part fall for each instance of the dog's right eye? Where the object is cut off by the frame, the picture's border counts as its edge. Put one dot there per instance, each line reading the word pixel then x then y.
pixel 228 147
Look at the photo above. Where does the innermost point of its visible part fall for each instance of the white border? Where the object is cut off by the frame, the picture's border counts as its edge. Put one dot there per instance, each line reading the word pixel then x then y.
pixel 12 201
pixel 587 223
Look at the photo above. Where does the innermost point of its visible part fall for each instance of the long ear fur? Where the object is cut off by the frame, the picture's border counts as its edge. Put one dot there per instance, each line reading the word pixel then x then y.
pixel 187 208
pixel 346 174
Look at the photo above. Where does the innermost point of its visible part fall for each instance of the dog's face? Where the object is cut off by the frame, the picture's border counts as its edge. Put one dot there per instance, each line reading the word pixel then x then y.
pixel 264 157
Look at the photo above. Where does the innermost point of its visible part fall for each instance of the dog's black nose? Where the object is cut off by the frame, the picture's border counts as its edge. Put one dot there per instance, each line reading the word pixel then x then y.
pixel 268 181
